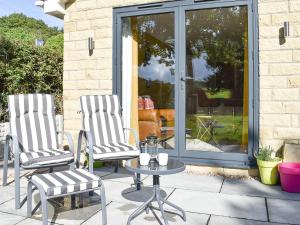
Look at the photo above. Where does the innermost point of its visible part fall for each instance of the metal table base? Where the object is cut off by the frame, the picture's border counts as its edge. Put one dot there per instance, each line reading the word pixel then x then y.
pixel 146 206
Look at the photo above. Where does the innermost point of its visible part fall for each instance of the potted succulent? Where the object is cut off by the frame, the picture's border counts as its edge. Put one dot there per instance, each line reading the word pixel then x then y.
pixel 267 162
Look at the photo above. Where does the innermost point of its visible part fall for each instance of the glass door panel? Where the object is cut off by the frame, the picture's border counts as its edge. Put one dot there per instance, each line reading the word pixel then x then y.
pixel 148 76
pixel 216 115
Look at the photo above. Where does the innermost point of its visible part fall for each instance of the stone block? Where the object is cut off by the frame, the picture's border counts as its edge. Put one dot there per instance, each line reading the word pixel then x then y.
pixel 282 120
pixel 296 53
pixel 265 20
pixel 273 82
pixel 265 94
pixel 291 153
pixel 285 94
pixel 83 25
pixel 294 81
pixel 271 107
pixel 284 69
pixel 273 7
pixel 292 107
pixel 69 26
pixel 276 56
pixel 286 133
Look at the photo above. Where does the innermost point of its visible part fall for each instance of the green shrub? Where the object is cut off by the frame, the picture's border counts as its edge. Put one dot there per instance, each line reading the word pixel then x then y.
pixel 27 68
pixel 267 154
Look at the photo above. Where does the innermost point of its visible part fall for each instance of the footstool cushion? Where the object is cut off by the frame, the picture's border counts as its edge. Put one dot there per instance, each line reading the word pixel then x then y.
pixel 57 184
pixel 65 182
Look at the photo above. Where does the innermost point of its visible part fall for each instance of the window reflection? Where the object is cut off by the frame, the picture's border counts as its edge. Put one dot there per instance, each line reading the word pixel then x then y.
pixel 217 84
pixel 148 70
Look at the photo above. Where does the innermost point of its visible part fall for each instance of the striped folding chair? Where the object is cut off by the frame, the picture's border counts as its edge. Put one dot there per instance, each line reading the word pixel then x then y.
pixel 104 131
pixel 33 137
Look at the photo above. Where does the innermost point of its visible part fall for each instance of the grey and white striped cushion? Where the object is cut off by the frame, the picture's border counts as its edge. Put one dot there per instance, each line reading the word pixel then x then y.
pixel 32 120
pixel 45 156
pixel 101 116
pixel 65 182
pixel 111 151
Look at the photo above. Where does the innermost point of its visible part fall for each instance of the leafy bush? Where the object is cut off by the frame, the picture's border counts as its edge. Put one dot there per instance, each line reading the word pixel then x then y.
pixel 267 154
pixel 25 68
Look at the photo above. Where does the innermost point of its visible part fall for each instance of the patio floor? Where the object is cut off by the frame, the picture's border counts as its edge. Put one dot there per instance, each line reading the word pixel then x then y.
pixel 208 200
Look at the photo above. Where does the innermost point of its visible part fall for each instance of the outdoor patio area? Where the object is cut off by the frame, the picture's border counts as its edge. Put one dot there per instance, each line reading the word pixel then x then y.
pixel 212 200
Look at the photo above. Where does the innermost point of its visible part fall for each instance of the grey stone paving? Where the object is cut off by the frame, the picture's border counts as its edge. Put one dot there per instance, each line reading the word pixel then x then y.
pixel 253 187
pixel 208 200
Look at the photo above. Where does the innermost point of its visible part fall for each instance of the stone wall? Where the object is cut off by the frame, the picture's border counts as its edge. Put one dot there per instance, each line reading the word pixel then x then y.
pixel 279 72
pixel 279 63
pixel 84 74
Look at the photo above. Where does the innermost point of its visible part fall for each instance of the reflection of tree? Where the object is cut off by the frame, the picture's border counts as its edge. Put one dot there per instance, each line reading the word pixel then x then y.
pixel 220 34
pixel 155 37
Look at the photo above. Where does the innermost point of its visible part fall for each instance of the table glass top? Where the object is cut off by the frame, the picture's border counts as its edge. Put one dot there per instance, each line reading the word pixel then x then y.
pixel 174 166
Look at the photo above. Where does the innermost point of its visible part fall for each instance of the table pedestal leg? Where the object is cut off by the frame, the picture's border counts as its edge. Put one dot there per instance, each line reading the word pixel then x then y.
pixel 159 199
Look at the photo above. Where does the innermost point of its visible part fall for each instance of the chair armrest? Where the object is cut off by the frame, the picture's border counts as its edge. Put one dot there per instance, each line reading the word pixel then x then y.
pixel 88 136
pixel 15 146
pixel 135 134
pixel 69 138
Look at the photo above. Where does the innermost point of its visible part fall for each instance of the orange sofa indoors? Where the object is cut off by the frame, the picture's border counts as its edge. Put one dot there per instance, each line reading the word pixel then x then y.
pixel 152 120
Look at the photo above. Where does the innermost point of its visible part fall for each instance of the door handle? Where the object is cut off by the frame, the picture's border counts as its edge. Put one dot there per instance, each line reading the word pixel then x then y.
pixel 184 79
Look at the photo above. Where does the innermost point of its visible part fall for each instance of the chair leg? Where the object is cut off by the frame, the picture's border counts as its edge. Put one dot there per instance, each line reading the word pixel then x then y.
pixel 72 166
pixel 103 205
pixel 91 164
pixel 5 164
pixel 73 201
pixel 44 210
pixel 116 166
pixel 29 199
pixel 91 170
pixel 17 184
pixel 138 181
pixel 80 200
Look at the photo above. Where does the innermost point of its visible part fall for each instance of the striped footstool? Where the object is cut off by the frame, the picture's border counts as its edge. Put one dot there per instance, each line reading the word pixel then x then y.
pixel 64 183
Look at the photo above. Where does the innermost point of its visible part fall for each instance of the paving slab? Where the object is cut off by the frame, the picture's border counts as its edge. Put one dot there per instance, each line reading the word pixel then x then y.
pixel 123 175
pixel 8 193
pixel 220 204
pixel 123 192
pixel 118 214
pixel 284 211
pixel 59 209
pixel 189 181
pixel 29 221
pixel 217 220
pixel 252 187
pixel 10 219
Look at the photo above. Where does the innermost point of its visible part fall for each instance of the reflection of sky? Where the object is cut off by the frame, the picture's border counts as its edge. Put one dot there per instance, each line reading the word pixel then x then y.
pixel 156 71
pixel 200 68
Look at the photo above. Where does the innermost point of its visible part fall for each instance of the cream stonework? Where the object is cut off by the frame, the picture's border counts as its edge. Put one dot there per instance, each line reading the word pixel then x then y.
pixel 279 63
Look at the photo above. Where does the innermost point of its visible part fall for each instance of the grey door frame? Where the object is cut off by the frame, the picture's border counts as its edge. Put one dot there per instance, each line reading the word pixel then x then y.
pixel 178 8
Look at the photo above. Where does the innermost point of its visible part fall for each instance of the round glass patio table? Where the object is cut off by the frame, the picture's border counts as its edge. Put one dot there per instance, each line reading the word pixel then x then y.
pixel 154 169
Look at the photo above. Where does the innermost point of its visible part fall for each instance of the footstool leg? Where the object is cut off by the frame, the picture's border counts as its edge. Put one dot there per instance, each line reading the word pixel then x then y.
pixel 29 199
pixel 73 201
pixel 44 209
pixel 80 200
pixel 103 205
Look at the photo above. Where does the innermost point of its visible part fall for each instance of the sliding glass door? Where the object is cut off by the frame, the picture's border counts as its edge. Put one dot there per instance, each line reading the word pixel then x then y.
pixel 148 76
pixel 216 79
pixel 185 74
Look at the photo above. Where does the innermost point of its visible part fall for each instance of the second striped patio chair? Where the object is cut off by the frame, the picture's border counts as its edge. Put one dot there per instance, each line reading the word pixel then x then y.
pixel 104 131
pixel 33 137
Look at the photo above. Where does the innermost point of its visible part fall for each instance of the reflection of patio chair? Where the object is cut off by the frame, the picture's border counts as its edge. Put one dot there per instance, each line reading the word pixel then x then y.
pixel 206 128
